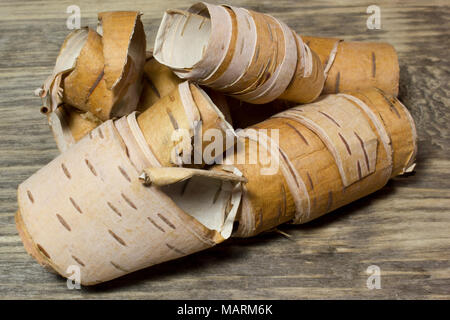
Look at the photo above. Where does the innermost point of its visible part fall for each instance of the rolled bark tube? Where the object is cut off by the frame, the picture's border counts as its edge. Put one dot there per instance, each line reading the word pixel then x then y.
pixel 355 66
pixel 100 73
pixel 329 153
pixel 349 66
pixel 251 56
pixel 186 108
pixel 89 210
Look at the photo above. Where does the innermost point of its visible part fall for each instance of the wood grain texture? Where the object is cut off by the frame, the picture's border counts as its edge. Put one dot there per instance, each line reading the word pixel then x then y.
pixel 404 228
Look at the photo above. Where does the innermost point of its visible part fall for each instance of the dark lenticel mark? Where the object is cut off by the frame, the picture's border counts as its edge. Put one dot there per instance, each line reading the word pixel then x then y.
pixel 66 172
pixel 128 201
pixel 363 147
pixel 78 261
pixel 330 200
pixel 174 249
pixel 329 117
pixel 113 208
pixel 124 173
pixel 42 250
pixel 100 133
pixel 298 133
pixel 310 180
pixel 118 267
pixel 117 238
pixel 164 219
pixel 173 121
pixel 155 224
pixel 359 169
pixel 346 144
pixel 63 222
pixel 75 205
pixel 374 65
pixel 91 167
pixel 338 79
pixel 30 196
pixel 95 84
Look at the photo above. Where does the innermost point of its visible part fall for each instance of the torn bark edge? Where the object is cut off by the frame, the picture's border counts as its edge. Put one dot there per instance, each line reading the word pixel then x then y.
pixel 331 58
pixel 127 88
pixel 219 220
pixel 51 91
pixel 111 83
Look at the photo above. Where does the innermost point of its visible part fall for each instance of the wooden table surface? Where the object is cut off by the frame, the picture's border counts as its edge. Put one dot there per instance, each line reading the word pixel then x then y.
pixel 404 229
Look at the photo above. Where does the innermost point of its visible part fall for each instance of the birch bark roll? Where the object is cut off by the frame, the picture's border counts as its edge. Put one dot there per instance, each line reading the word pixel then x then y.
pixel 349 66
pixel 330 153
pixel 88 208
pixel 251 56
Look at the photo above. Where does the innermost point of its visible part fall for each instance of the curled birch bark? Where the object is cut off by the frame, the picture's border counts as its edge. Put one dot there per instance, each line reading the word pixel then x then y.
pixel 99 72
pixel 70 124
pixel 251 56
pixel 88 208
pixel 349 66
pixel 174 127
pixel 329 154
pixel 354 66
